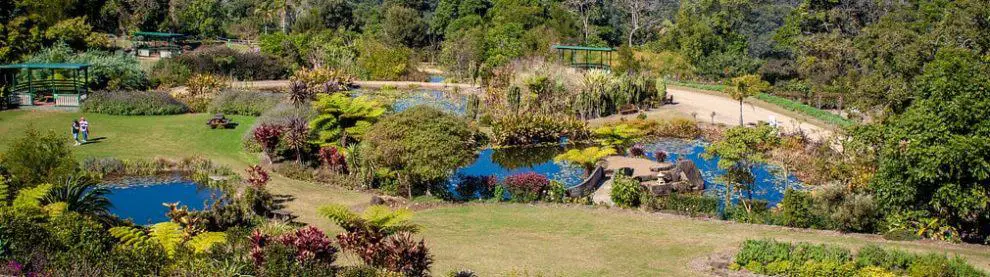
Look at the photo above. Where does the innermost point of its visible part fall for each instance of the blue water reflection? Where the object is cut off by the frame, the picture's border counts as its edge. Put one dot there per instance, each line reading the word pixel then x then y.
pixel 142 203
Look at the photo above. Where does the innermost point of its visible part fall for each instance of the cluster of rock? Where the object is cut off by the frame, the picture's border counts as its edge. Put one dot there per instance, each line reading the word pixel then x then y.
pixel 682 177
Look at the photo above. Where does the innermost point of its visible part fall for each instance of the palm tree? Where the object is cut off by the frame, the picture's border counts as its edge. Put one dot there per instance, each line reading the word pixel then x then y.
pixel 586 158
pixel 744 87
pixel 82 195
pixel 342 117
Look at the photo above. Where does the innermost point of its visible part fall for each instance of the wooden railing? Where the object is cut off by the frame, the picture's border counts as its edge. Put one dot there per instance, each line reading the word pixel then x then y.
pixel 53 86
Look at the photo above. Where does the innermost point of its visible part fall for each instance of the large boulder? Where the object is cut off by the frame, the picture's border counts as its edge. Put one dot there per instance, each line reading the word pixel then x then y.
pixel 688 172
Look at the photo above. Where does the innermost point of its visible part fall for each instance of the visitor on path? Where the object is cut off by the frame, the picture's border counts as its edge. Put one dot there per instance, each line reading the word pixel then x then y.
pixel 75 132
pixel 84 129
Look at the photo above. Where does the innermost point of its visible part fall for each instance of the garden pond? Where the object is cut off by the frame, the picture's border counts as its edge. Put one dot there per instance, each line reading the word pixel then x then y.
pixel 142 201
pixel 768 185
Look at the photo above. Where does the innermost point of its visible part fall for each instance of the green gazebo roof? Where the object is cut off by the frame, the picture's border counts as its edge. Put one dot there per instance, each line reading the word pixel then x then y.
pixel 45 66
pixel 583 48
pixel 158 34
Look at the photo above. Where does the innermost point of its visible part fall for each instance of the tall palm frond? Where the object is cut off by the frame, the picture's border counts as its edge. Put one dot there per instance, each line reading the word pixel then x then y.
pixel 375 218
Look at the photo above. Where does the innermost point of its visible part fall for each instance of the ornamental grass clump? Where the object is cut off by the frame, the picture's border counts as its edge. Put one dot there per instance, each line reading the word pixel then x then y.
pixel 526 187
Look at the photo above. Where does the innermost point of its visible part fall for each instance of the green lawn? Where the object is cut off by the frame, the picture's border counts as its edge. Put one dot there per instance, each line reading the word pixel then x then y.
pixel 490 239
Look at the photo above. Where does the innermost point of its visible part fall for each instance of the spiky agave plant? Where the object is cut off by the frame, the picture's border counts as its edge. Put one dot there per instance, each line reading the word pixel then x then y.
pixel 81 194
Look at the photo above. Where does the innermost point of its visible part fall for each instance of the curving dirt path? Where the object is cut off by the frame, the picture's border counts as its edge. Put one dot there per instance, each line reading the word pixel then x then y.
pixel 700 105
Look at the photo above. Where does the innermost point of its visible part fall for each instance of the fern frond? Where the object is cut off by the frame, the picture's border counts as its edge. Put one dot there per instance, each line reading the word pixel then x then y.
pixel 168 235
pixel 31 197
pixel 341 215
pixel 132 237
pixel 202 243
pixel 388 220
pixel 4 190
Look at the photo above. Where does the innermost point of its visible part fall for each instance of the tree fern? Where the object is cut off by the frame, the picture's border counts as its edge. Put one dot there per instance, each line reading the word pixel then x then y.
pixel 341 215
pixel 390 221
pixel 203 242
pixel 168 235
pixel 375 218
pixel 132 237
pixel 31 197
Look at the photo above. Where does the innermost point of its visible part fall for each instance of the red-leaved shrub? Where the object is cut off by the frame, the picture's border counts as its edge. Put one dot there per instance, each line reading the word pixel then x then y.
pixel 526 187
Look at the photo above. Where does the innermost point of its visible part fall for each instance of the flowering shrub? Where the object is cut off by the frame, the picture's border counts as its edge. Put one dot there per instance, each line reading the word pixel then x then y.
pixel 526 187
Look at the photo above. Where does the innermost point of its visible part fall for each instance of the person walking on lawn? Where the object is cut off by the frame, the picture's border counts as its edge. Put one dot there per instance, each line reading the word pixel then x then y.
pixel 84 129
pixel 75 132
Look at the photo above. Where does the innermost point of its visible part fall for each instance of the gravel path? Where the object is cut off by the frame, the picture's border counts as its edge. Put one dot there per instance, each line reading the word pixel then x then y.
pixel 727 112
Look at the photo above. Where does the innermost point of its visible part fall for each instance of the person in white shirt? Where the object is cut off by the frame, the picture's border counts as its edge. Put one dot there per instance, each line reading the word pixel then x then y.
pixel 84 129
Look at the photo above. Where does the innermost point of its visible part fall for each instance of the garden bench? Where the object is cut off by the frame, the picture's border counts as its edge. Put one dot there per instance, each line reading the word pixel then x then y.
pixel 628 109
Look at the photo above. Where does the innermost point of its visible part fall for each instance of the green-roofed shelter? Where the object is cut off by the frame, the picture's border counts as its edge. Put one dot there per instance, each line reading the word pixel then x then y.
pixel 147 44
pixel 586 57
pixel 32 84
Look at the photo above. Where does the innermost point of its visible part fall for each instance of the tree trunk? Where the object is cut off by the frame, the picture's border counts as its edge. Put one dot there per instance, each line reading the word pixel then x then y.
pixel 741 112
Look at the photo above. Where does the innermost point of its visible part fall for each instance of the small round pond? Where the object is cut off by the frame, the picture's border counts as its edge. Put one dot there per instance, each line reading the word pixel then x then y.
pixel 142 202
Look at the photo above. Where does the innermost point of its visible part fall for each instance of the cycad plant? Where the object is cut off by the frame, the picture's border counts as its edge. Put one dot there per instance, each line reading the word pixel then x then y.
pixel 342 117
pixel 586 158
pixel 82 195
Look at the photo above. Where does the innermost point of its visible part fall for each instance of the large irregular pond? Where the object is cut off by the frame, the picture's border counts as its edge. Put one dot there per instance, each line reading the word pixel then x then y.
pixel 142 202
pixel 768 185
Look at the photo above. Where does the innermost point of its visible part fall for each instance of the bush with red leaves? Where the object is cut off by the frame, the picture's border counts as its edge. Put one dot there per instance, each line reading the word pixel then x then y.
pixel 526 187
pixel 407 256
pixel 267 135
pixel 310 247
pixel 333 159
pixel 257 177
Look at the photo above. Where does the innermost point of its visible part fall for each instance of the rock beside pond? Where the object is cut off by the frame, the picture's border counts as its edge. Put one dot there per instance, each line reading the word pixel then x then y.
pixel 689 172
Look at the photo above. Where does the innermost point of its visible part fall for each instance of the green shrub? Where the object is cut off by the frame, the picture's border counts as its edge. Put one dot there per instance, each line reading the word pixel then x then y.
pixel 169 73
pixel 133 103
pixel 689 204
pixel 517 130
pixel 820 253
pixel 245 66
pixel 901 235
pixel 556 192
pixel 779 268
pixel 36 157
pixel 626 191
pixel 798 209
pixel 242 102
pixel 763 252
pixel 784 259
